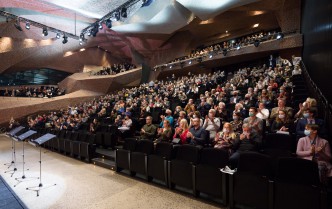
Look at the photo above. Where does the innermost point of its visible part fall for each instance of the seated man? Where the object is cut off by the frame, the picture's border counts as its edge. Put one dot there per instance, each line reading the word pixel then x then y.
pixel 196 134
pixel 212 124
pixel 248 141
pixel 312 147
pixel 254 122
pixel 148 131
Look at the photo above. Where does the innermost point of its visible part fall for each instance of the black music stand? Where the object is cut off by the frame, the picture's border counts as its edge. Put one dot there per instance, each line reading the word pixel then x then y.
pixel 22 138
pixel 12 133
pixel 38 142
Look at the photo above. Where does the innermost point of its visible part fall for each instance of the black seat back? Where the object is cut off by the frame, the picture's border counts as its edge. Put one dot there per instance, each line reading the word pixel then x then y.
pixel 278 141
pixel 164 149
pixel 130 144
pixel 254 163
pixel 188 153
pixel 297 171
pixel 144 146
pixel 214 157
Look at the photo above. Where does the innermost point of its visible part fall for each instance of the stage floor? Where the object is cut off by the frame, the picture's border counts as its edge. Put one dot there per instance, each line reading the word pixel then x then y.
pixel 81 185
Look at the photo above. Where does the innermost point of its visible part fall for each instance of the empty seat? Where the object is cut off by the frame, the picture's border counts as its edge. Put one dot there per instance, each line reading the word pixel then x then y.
pixel 138 158
pixel 208 177
pixel 87 148
pixel 181 168
pixel 250 185
pixel 157 162
pixel 297 185
pixel 122 156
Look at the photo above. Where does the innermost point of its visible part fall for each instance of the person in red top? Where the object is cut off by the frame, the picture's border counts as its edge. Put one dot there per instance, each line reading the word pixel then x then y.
pixel 181 131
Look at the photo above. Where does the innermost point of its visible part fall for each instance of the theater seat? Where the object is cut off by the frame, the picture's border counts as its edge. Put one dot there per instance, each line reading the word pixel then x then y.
pixel 208 177
pixel 139 157
pixel 122 156
pixel 181 170
pixel 157 162
pixel 250 185
pixel 297 185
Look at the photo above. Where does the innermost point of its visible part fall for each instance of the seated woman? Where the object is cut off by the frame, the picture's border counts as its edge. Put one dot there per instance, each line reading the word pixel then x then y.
pixel 165 133
pixel 225 138
pixel 237 122
pixel 282 123
pixel 312 147
pixel 181 131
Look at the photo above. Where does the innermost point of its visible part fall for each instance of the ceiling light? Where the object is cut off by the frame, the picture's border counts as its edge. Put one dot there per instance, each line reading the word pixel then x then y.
pixel 27 25
pixel 65 39
pixel 100 25
pixel 81 37
pixel 17 25
pixel 45 32
pixel 280 36
pixel 124 12
pixel 256 25
pixel 108 23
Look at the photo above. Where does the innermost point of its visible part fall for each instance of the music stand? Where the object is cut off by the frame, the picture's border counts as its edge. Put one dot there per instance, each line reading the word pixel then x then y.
pixel 38 142
pixel 21 138
pixel 11 134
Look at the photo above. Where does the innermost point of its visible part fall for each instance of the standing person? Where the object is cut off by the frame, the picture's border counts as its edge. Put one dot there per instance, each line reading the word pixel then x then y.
pixel 248 141
pixel 312 147
pixel 211 124
pixel 182 131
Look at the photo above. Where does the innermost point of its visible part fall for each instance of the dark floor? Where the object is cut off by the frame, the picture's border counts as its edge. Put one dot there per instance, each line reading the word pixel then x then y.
pixel 8 199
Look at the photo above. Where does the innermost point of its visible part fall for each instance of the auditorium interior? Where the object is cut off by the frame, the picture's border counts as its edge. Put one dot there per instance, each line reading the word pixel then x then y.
pixel 165 104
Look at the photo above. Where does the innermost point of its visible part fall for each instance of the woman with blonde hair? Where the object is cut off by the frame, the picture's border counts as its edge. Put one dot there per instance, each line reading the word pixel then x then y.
pixel 225 138
pixel 181 131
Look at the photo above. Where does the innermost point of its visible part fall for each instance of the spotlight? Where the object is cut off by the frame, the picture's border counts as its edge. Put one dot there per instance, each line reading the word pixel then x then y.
pixel 124 12
pixel 82 37
pixel 117 16
pixel 108 23
pixel 17 25
pixel 27 25
pixel 280 36
pixel 238 47
pixel 100 25
pixel 45 32
pixel 94 31
pixel 224 52
pixel 57 35
pixel 256 43
pixel 65 39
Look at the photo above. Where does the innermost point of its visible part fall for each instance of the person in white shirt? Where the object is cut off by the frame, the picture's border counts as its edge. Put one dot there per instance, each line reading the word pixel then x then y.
pixel 296 60
pixel 212 124
pixel 263 113
pixel 297 70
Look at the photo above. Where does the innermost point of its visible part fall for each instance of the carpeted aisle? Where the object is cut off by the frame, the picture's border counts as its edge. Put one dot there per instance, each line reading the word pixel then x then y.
pixel 8 198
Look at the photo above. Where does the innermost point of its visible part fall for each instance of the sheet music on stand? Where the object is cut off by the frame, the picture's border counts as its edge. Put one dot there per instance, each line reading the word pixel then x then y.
pixel 41 140
pixel 25 135
pixel 15 131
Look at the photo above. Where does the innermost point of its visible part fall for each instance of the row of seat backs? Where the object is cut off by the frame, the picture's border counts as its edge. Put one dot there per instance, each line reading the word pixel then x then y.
pixel 74 136
pixel 289 169
pixel 209 156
